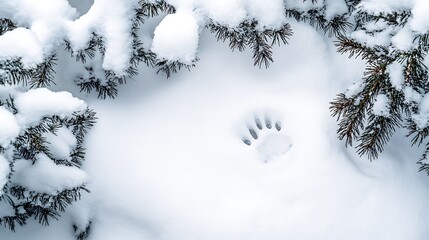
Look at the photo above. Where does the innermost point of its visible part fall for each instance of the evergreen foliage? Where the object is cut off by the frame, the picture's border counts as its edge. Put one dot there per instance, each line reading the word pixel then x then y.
pixel 25 203
pixel 30 144
pixel 357 119
pixel 82 234
pixel 248 34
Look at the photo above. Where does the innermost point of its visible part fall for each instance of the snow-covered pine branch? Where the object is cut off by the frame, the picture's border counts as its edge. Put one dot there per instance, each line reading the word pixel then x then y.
pixel 392 37
pixel 110 48
pixel 41 153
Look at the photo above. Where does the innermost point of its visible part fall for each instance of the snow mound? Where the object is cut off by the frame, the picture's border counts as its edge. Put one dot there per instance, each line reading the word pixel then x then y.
pixel 45 176
pixel 61 143
pixel 30 51
pixel 176 37
pixel 35 104
pixel 9 128
pixel 381 105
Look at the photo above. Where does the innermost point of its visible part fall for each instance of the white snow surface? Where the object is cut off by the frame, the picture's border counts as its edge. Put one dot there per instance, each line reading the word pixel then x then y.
pixel 35 104
pixel 47 177
pixel 186 174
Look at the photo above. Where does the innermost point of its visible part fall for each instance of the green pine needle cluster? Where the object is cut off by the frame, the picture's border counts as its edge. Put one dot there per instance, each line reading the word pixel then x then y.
pixel 357 120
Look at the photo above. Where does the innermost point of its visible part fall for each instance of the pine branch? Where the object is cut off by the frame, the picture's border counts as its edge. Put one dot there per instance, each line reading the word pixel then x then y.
pixel 14 72
pixel 95 43
pixel 43 74
pixel 42 206
pixel 82 234
pixel 262 53
pixel 337 26
pixel 169 67
pixel 351 115
pixel 149 9
pixel 80 123
pixel 377 133
pixel 354 49
pixel 248 34
pixel 417 135
pixel 6 25
pixel 424 161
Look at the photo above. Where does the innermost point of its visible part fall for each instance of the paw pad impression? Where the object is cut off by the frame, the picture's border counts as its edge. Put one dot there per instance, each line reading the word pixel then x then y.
pixel 266 136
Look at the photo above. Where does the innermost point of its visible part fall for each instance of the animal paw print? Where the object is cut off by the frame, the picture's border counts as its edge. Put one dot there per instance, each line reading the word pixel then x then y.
pixel 266 136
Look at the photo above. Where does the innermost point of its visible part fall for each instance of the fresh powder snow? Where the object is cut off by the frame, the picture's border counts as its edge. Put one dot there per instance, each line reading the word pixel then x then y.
pixel 166 159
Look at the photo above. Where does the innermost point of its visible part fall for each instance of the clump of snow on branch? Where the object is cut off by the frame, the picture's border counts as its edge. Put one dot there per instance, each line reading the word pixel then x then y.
pixel 404 38
pixel 269 14
pixel 61 143
pixel 112 20
pixel 45 176
pixel 419 21
pixel 411 95
pixel 226 12
pixel 41 136
pixel 9 128
pixel 396 76
pixel 380 6
pixel 47 23
pixel 30 51
pixel 34 104
pixel 374 33
pixel 422 117
pixel 176 37
pixel 4 172
pixel 31 107
pixel 381 105
pixel 51 21
pixel 334 8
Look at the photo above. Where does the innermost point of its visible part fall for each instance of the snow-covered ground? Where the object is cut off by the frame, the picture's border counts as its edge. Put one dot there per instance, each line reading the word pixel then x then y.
pixel 167 161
